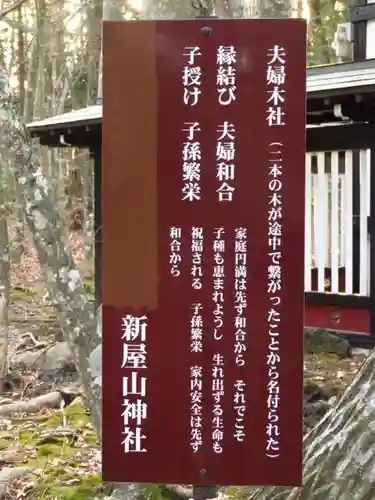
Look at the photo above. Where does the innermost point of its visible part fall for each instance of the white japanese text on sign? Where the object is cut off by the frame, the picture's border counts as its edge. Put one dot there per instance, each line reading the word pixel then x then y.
pixel 276 74
pixel 226 74
pixel 226 132
pixel 134 357
pixel 191 76
pixel 218 247
pixel 240 327
pixel 225 160
pixel 175 247
pixel 191 166
pixel 275 279
pixel 197 256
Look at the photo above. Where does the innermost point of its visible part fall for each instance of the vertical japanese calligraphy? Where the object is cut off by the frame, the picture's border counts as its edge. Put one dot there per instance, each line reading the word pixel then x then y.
pixel 218 247
pixel 196 411
pixel 225 160
pixel 196 328
pixel 191 155
pixel 191 166
pixel 191 76
pixel 218 396
pixel 134 357
pixel 240 409
pixel 196 342
pixel 240 327
pixel 240 286
pixel 276 79
pixel 276 59
pixel 275 281
pixel 197 255
pixel 175 247
pixel 226 74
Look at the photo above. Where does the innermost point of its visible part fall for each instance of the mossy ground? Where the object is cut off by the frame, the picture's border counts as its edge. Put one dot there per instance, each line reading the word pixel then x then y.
pixel 62 448
pixel 60 445
pixel 30 298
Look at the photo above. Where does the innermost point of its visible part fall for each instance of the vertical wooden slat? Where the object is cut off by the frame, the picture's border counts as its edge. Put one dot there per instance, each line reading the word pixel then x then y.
pixel 321 228
pixel 356 188
pixel 308 222
pixel 363 239
pixel 368 186
pixel 315 225
pixel 334 222
pixel 363 234
pixel 348 222
pixel 342 219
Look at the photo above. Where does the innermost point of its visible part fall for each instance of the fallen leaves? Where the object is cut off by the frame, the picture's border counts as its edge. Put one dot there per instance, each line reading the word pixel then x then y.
pixel 332 374
pixel 59 448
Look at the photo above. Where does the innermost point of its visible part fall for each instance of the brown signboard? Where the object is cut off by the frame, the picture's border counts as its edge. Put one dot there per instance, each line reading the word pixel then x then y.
pixel 203 251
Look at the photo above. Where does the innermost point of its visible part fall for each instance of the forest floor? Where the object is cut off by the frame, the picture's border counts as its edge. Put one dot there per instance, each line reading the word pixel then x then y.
pixel 50 450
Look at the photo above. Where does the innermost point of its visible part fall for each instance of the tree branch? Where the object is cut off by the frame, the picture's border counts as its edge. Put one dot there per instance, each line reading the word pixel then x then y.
pixel 11 8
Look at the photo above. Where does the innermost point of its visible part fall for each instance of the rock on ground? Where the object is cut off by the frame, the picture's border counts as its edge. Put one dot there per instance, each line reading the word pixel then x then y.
pixel 318 340
pixel 52 357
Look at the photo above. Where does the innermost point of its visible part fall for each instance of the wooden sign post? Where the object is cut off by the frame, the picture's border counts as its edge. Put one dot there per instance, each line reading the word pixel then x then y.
pixel 203 251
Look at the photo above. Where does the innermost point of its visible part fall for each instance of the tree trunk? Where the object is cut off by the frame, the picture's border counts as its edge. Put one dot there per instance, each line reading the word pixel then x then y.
pixel 4 282
pixel 275 8
pixel 94 14
pixel 64 281
pixel 339 453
